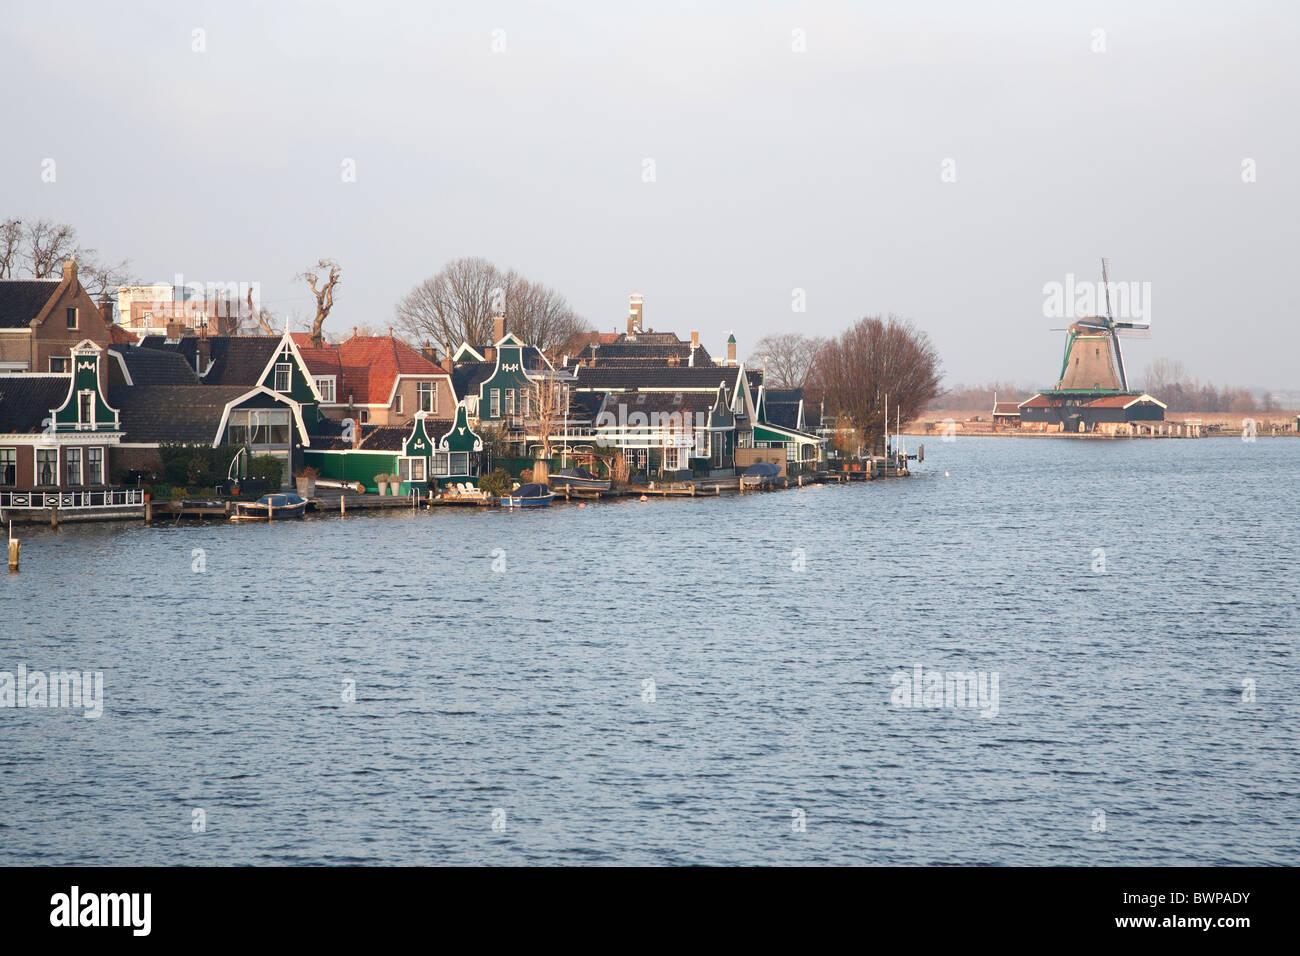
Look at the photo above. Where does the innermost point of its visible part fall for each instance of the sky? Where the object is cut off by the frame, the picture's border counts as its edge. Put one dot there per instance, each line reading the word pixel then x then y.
pixel 756 167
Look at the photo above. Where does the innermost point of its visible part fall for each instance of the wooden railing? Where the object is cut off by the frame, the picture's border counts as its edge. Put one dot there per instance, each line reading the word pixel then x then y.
pixel 73 500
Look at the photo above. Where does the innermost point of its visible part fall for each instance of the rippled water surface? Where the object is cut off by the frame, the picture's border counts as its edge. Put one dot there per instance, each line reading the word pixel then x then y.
pixel 524 690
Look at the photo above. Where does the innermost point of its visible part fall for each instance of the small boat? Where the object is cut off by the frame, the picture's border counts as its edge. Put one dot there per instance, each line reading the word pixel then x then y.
pixel 578 479
pixel 762 474
pixel 286 504
pixel 528 496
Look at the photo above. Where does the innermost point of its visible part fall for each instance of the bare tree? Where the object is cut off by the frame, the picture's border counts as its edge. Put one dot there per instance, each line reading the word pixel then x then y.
pixel 458 304
pixel 452 306
pixel 870 360
pixel 787 357
pixel 40 248
pixel 540 315
pixel 11 240
pixel 548 407
pixel 323 289
pixel 48 245
pixel 1162 374
pixel 254 317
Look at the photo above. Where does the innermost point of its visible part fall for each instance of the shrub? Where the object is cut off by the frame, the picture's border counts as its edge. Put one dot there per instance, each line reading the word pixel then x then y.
pixel 268 468
pixel 498 483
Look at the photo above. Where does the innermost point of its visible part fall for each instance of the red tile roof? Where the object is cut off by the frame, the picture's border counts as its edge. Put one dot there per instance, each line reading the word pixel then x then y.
pixel 1111 401
pixel 1006 408
pixel 366 366
pixel 120 336
pixel 1038 401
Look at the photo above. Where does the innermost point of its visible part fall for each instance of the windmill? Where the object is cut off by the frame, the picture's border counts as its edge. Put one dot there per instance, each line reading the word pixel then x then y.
pixel 1106 328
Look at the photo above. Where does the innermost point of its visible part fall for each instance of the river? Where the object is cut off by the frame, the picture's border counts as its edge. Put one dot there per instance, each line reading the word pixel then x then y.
pixel 689 681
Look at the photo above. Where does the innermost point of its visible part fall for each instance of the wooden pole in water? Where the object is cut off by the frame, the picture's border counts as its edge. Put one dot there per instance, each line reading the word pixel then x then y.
pixel 343 504
pixel 54 517
pixel 14 548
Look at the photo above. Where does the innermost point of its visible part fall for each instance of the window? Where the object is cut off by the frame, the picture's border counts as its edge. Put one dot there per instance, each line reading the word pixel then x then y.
pixel 672 458
pixel 325 385
pixel 510 401
pixel 72 318
pixel 494 399
pixel 8 466
pixel 60 364
pixel 460 463
pixel 258 427
pixel 410 469
pixel 72 459
pixel 283 377
pixel 85 408
pixel 440 464
pixel 94 466
pixel 701 444
pixel 636 457
pixel 397 404
pixel 363 416
pixel 524 403
pixel 427 393
pixel 47 466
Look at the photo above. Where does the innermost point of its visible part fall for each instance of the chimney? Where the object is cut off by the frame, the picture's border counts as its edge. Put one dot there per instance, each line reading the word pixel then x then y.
pixel 429 352
pixel 106 310
pixel 356 428
pixel 695 344
pixel 175 329
pixel 447 365
pixel 70 269
pixel 498 327
pixel 731 349
pixel 635 303
pixel 489 354
pixel 202 352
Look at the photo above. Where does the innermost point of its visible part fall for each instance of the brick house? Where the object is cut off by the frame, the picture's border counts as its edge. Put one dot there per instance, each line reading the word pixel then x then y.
pixel 42 320
pixel 377 380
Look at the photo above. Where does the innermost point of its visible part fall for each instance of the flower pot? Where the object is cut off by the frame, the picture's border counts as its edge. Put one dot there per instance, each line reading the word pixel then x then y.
pixel 306 487
pixel 382 486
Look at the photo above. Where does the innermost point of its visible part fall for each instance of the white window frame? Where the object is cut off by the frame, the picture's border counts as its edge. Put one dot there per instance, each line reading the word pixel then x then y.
pixel 397 404
pixel 325 385
pixel 429 389
pixel 64 360
pixel 74 314
pixel 286 369
pixel 494 402
pixel 510 401
pixel 412 468
pixel 101 481
pixel 14 451
pixel 36 468
pixel 81 466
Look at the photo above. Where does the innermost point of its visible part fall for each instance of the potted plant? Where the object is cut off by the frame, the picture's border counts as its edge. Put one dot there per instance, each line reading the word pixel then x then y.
pixel 381 483
pixel 306 482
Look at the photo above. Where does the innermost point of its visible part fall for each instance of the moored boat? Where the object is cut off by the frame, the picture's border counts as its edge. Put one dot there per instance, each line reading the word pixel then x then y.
pixel 762 474
pixel 528 496
pixel 577 479
pixel 271 507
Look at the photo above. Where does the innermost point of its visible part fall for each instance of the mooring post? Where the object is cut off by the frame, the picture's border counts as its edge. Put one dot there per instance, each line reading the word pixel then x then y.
pixel 14 549
pixel 54 517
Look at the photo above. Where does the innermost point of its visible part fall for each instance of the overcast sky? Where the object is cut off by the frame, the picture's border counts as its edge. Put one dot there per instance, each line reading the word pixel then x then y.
pixel 774 170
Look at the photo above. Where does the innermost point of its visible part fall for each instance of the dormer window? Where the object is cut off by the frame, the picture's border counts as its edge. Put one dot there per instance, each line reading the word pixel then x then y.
pixel 283 377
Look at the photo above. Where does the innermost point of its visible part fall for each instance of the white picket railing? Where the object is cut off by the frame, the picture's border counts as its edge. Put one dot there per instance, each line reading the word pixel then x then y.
pixel 73 500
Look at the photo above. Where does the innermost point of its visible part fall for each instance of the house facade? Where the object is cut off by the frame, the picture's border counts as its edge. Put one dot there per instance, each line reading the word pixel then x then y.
pixel 58 434
pixel 42 320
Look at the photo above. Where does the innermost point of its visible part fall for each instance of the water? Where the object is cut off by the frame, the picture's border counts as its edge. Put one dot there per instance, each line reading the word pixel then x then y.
pixel 522 691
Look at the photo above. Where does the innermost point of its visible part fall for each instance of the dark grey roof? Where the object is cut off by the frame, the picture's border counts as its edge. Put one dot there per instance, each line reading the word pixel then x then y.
pixel 468 376
pixel 149 366
pixel 662 402
pixel 236 359
pixel 21 300
pixel 585 406
pixel 783 394
pixel 26 400
pixel 172 413
pixel 655 377
pixel 783 414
